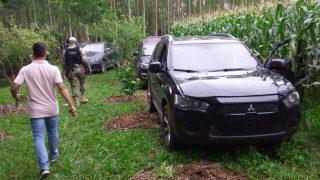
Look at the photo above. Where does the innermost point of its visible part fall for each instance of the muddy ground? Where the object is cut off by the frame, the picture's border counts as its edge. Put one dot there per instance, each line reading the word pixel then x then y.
pixel 13 110
pixel 2 134
pixel 122 98
pixel 133 121
pixel 197 171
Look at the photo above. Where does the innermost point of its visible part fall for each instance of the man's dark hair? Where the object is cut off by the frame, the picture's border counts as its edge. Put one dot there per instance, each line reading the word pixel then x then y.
pixel 39 50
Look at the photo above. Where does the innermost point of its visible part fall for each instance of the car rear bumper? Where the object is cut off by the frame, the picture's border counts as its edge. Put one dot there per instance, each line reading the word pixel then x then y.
pixel 211 128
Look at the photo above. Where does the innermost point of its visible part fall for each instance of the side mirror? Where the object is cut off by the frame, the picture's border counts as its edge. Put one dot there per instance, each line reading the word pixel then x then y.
pixel 278 65
pixel 281 67
pixel 155 67
pixel 136 54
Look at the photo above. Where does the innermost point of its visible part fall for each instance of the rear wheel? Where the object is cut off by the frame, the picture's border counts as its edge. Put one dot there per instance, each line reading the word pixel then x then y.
pixel 150 106
pixel 170 140
pixel 103 67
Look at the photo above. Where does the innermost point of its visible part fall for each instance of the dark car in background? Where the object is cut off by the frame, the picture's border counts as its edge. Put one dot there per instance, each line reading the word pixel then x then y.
pixel 214 90
pixel 143 58
pixel 100 57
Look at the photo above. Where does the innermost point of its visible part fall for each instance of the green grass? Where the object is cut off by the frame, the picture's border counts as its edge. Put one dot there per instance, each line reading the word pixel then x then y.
pixel 88 151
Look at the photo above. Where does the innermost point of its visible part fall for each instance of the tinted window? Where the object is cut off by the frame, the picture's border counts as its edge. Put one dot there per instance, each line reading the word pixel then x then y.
pixel 163 55
pixel 156 53
pixel 211 57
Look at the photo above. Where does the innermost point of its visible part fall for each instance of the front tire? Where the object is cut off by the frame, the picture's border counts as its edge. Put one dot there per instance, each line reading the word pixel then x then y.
pixel 170 140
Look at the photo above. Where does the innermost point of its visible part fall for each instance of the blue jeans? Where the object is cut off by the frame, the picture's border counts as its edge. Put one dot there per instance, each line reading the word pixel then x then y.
pixel 38 129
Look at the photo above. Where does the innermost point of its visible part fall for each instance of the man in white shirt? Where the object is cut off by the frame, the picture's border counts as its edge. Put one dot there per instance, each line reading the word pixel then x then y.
pixel 42 79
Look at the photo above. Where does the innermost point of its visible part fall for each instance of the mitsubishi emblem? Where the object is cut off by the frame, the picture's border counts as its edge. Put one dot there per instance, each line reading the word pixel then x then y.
pixel 251 109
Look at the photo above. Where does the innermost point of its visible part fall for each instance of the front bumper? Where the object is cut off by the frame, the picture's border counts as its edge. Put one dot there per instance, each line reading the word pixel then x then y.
pixel 143 74
pixel 95 67
pixel 217 127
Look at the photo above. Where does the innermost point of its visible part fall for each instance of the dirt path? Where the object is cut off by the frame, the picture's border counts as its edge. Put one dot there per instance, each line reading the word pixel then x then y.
pixel 197 171
pixel 2 134
pixel 13 110
pixel 122 98
pixel 133 121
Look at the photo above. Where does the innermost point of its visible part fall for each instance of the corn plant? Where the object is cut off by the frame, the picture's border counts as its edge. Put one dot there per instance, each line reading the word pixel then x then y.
pixel 263 28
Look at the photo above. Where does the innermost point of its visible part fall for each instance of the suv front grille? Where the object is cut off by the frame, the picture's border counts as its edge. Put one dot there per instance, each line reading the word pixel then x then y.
pixel 249 107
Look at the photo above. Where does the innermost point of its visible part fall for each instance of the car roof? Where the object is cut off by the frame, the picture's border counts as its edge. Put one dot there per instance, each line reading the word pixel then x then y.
pixel 94 43
pixel 204 40
pixel 151 40
pixel 210 39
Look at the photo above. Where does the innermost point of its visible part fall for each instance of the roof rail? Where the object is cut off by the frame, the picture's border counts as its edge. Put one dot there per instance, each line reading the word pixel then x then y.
pixel 222 35
pixel 168 36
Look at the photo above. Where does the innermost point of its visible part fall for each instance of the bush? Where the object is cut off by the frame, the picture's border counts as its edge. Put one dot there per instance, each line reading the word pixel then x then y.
pixel 16 45
pixel 124 35
pixel 129 83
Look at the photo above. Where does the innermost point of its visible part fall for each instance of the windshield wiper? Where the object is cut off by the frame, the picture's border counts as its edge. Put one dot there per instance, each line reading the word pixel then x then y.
pixel 186 70
pixel 228 69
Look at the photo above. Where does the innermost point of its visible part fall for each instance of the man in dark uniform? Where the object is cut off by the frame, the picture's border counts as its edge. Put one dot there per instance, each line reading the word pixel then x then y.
pixel 75 63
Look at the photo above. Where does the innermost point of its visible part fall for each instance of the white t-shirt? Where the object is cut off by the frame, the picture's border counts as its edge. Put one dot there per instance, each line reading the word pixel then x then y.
pixel 41 79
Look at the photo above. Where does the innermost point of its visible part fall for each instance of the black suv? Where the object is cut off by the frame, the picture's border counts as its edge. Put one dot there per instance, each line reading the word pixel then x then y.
pixel 214 90
pixel 142 59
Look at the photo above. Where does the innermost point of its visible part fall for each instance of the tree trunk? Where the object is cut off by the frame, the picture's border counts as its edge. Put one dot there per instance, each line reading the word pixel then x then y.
pixel 200 7
pixel 155 20
pixel 129 9
pixel 28 18
pixel 87 33
pixel 49 10
pixel 34 14
pixel 189 6
pixel 138 8
pixel 69 19
pixel 168 13
pixel 144 17
pixel 115 7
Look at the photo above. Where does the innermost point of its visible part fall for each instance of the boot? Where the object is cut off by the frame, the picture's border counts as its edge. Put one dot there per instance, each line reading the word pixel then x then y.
pixel 84 99
pixel 76 101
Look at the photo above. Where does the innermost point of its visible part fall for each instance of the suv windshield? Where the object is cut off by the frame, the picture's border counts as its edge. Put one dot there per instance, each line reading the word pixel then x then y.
pixel 147 49
pixel 94 48
pixel 212 57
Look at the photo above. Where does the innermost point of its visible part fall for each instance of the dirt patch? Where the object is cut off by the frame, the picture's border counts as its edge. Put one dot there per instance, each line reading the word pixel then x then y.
pixel 198 171
pixel 315 150
pixel 207 171
pixel 122 98
pixel 133 121
pixel 2 134
pixel 114 85
pixel 13 110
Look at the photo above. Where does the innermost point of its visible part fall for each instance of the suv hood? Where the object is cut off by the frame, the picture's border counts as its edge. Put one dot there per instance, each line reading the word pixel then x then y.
pixel 232 84
pixel 95 55
pixel 95 58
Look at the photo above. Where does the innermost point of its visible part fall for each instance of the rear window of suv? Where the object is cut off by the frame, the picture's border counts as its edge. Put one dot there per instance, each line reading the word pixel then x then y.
pixel 212 57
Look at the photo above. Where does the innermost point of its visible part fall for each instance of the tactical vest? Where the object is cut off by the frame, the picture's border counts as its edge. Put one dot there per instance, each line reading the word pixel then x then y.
pixel 73 57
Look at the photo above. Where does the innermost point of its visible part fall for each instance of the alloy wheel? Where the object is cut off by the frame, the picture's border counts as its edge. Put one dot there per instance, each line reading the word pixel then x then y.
pixel 103 67
pixel 166 131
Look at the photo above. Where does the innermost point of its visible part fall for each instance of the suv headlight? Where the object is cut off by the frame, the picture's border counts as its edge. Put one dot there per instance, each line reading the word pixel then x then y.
pixel 292 99
pixel 185 103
